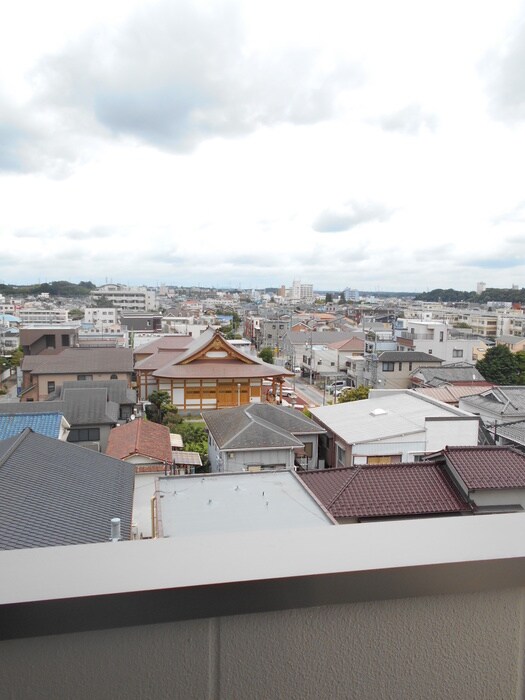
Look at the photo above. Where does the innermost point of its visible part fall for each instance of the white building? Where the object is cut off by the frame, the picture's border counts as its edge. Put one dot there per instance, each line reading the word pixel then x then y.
pixel 127 298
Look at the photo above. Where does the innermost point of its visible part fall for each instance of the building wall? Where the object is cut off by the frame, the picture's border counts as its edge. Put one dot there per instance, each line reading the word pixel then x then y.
pixel 465 646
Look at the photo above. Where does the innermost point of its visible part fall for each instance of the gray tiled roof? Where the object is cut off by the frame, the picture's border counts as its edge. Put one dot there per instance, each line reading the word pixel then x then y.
pixel 118 390
pixel 89 407
pixel 258 425
pixel 448 374
pixel 506 401
pixel 55 493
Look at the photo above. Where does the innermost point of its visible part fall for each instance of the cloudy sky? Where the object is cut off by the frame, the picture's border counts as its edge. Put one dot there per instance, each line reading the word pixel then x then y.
pixel 378 145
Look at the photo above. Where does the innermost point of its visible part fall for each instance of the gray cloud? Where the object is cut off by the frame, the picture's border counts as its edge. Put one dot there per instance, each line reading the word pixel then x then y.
pixel 350 215
pixel 176 74
pixel 410 120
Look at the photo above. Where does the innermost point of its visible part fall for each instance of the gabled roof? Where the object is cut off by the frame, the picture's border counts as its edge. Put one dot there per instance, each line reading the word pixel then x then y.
pixel 258 426
pixel 140 437
pixel 56 493
pixel 177 343
pixel 449 374
pixel 487 467
pixel 89 407
pixel 354 343
pixel 378 491
pixel 515 431
pixel 43 423
pixel 118 390
pixel 507 401
pixel 81 361
pixel 450 394
pixel 211 356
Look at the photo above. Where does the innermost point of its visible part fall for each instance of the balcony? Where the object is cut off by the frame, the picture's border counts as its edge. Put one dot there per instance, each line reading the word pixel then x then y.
pixel 405 609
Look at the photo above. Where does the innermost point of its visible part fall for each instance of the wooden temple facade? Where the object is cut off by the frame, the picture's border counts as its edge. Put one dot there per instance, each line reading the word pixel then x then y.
pixel 205 373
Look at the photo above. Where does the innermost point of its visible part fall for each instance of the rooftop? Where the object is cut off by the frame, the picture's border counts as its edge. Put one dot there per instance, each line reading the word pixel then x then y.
pixel 488 467
pixel 380 491
pixel 140 437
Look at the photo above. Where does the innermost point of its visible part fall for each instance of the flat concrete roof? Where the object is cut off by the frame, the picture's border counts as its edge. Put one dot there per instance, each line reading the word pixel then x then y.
pixel 240 502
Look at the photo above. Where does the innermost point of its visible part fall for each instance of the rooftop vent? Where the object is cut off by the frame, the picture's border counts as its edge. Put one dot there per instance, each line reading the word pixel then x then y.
pixel 378 412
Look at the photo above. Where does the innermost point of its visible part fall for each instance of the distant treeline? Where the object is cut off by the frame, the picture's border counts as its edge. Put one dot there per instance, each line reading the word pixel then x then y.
pixel 54 289
pixel 490 294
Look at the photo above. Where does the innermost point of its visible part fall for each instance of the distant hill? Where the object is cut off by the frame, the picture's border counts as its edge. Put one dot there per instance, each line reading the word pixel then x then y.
pixel 490 294
pixel 54 289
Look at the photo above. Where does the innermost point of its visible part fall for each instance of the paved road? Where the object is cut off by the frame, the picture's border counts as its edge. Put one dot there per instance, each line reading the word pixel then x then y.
pixel 308 393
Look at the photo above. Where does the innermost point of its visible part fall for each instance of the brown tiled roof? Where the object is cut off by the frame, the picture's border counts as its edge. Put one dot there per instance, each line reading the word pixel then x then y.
pixel 488 467
pixel 140 437
pixel 220 369
pixel 81 360
pixel 377 491
pixel 450 393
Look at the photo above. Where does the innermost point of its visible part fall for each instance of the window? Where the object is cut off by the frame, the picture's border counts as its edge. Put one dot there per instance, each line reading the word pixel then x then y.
pixel 384 459
pixel 50 387
pixel 400 366
pixel 340 455
pixel 388 366
pixel 84 377
pixel 457 353
pixel 113 376
pixel 65 340
pixel 50 341
pixel 84 435
pixel 409 366
pixel 441 336
pixel 430 352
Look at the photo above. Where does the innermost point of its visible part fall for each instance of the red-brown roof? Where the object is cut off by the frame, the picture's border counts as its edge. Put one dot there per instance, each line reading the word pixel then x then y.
pixel 140 437
pixel 488 467
pixel 376 491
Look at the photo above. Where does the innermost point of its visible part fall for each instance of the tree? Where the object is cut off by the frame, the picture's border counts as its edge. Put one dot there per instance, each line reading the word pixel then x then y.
pixel 266 355
pixel 357 394
pixel 17 357
pixel 195 439
pixel 500 366
pixel 160 405
pixel 76 314
pixel 329 297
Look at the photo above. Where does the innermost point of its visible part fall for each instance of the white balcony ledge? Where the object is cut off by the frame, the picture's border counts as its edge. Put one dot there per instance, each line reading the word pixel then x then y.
pixel 100 586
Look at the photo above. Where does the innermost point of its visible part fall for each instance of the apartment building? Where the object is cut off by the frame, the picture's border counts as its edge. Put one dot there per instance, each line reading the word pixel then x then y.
pixel 126 298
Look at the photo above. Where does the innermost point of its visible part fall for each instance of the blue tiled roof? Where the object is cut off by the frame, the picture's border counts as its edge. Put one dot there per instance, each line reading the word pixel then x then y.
pixel 43 423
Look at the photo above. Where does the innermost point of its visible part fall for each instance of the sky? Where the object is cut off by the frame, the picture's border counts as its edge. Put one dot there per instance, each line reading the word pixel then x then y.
pixel 248 143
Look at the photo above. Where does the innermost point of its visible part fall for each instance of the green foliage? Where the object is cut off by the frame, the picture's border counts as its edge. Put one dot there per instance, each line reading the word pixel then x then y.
pixel 76 314
pixel 491 294
pixel 500 366
pixel 329 297
pixel 357 394
pixel 195 439
pixel 266 355
pixel 17 357
pixel 60 288
pixel 160 405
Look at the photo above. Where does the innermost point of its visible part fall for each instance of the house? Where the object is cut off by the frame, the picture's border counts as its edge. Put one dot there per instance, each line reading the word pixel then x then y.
pixel 206 373
pixel 117 391
pixel 261 436
pixel 390 427
pixel 53 424
pixel 48 340
pixel 378 491
pixel 512 342
pixel 438 338
pixel 89 413
pixel 42 375
pixel 499 404
pixel 456 374
pixel 392 370
pixel 54 493
pixel 143 443
pixel 492 478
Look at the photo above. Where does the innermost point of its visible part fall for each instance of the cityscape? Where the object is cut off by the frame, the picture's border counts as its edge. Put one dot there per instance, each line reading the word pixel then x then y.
pixel 262 350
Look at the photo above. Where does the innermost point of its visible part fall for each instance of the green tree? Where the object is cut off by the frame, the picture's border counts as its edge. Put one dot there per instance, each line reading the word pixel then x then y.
pixel 76 314
pixel 520 357
pixel 266 355
pixel 160 405
pixel 357 394
pixel 195 439
pixel 500 366
pixel 17 357
pixel 329 297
